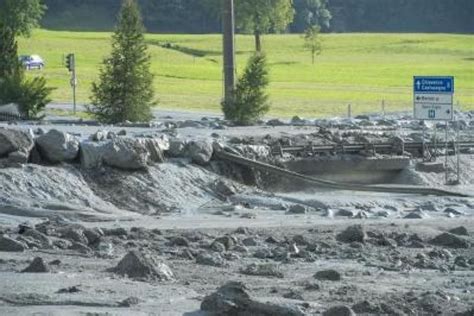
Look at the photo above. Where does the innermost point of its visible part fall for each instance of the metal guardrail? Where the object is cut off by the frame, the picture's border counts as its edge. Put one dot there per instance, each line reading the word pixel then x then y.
pixel 8 117
pixel 231 157
pixel 378 147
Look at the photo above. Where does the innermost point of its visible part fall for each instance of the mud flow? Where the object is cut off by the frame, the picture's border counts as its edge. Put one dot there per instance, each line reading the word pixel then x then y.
pixel 199 217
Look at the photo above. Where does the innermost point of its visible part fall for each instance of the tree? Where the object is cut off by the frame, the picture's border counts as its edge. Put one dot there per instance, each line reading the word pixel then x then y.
pixel 124 91
pixel 250 100
pixel 21 16
pixel 309 13
pixel 312 40
pixel 261 16
pixel 18 18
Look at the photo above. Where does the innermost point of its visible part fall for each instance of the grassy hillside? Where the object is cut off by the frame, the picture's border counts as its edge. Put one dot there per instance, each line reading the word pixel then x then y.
pixel 361 69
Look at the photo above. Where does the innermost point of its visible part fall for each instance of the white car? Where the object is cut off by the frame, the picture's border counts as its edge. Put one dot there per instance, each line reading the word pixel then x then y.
pixel 32 62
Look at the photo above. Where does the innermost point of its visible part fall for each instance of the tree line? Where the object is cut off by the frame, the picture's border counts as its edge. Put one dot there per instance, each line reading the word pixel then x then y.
pixel 198 16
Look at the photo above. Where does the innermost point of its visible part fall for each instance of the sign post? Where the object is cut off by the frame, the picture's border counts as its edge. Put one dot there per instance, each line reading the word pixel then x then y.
pixel 433 98
pixel 433 101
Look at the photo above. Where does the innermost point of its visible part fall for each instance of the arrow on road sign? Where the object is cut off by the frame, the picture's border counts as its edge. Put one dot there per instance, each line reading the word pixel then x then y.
pixel 418 84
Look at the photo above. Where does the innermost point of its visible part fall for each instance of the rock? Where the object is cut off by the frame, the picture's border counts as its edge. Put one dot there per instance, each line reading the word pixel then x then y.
pixel 92 154
pixel 57 146
pixel 123 132
pixel 74 234
pixel 39 237
pixel 69 290
pixel 344 213
pixel 227 241
pixel 233 299
pixel 118 232
pixel 450 241
pixel 297 209
pixel 328 275
pixel 8 244
pixel 250 242
pixel 218 247
pixel 93 235
pixel 129 302
pixel 200 152
pixel 179 241
pixel 452 211
pixel 365 307
pixel 177 148
pixel 15 141
pixel 154 147
pixel 354 233
pixel 415 215
pixel 210 259
pixel 99 136
pixel 275 122
pixel 266 269
pixel 340 310
pixel 460 231
pixel 126 154
pixel 80 247
pixel 37 266
pixel 137 265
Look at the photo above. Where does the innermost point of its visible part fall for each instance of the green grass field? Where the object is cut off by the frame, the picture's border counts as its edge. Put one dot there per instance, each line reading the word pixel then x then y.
pixel 360 69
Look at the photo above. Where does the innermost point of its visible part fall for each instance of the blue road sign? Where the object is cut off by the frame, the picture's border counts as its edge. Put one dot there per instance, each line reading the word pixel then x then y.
pixel 434 85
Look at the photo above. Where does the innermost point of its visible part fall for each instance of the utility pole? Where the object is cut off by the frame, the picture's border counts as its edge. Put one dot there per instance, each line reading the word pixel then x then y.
pixel 228 19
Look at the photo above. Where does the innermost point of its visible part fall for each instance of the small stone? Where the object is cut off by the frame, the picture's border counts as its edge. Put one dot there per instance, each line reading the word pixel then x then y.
pixel 340 310
pixel 328 275
pixel 37 266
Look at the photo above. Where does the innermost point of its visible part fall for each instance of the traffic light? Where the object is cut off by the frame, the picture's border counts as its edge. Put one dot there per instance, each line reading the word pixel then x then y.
pixel 70 62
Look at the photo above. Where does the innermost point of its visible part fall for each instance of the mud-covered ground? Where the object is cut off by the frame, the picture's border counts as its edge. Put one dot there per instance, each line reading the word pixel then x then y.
pixel 168 240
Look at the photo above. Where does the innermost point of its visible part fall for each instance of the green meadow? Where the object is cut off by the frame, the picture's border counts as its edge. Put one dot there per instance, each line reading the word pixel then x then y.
pixel 357 69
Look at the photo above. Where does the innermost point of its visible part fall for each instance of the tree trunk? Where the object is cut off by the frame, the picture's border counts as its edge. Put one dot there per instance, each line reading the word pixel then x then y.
pixel 258 42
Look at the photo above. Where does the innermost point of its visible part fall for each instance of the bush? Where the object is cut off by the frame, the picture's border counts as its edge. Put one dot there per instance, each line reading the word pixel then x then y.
pixel 250 102
pixel 31 95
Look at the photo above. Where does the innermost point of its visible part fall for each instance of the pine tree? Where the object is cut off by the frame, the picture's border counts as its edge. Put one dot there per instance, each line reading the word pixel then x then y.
pixel 124 91
pixel 250 101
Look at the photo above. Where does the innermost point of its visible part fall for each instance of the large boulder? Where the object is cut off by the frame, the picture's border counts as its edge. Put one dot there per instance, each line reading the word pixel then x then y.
pixel 58 147
pixel 92 154
pixel 137 265
pixel 200 152
pixel 126 154
pixel 15 142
